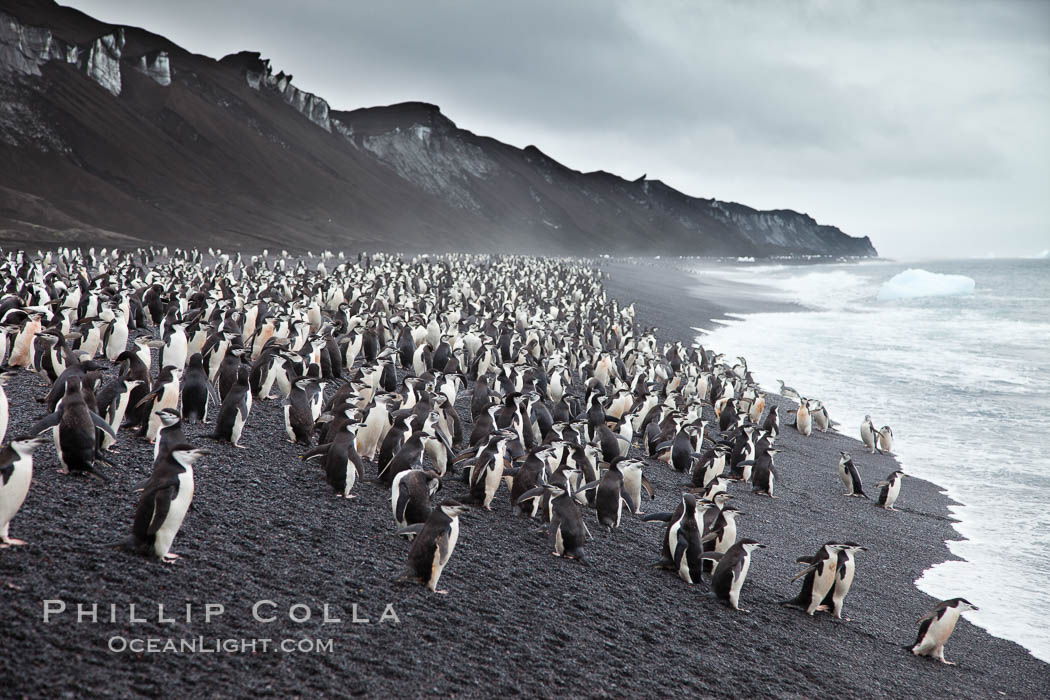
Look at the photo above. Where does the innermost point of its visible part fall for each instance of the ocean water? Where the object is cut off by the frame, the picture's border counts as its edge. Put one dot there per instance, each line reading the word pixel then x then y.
pixel 961 371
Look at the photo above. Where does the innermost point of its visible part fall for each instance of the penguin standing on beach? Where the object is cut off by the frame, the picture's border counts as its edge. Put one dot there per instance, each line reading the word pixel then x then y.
pixel 433 545
pixel 634 481
pixel 410 496
pixel 298 416
pixel 819 578
pixel 885 438
pixel 820 415
pixel 764 473
pixel 342 465
pixel 683 541
pixel 869 435
pixel 567 531
pixel 165 394
pixel 113 401
pixel 611 497
pixel 4 407
pixel 16 472
pixel 804 419
pixel 233 413
pixel 890 489
pixel 937 626
pixel 850 476
pixel 196 390
pixel 845 570
pixel 164 502
pixel 731 572
pixel 74 427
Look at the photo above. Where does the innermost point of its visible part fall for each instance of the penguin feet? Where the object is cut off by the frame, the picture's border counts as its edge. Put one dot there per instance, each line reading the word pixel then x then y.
pixel 11 542
pixel 169 558
pixel 63 470
pixel 440 591
pixel 240 447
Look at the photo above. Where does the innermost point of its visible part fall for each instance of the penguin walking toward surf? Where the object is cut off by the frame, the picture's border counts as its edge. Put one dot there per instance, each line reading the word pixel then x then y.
pixel 885 438
pixel 850 476
pixel 804 419
pixel 869 435
pixel 890 489
pixel 936 627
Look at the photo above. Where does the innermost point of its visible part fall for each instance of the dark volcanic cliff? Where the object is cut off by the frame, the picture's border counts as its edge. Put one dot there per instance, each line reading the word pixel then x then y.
pixel 114 134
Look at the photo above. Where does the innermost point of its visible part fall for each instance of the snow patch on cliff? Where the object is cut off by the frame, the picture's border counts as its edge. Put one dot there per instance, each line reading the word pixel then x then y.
pixel 308 104
pixel 24 49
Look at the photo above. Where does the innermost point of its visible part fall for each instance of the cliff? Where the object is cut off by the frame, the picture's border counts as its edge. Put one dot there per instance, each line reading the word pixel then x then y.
pixel 115 134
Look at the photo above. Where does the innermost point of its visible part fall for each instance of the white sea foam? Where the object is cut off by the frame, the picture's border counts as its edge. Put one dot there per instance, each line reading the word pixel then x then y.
pixel 913 283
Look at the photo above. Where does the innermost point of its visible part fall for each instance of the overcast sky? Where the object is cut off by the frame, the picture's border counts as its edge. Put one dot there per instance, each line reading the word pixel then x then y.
pixel 925 125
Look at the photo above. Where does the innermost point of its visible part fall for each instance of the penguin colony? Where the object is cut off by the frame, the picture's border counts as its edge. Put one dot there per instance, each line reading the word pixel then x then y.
pixel 368 359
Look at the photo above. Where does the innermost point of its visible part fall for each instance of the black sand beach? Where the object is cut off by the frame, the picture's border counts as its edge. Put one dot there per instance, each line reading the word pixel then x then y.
pixel 517 621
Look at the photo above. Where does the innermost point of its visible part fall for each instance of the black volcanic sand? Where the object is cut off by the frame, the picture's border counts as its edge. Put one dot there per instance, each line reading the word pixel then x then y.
pixel 516 622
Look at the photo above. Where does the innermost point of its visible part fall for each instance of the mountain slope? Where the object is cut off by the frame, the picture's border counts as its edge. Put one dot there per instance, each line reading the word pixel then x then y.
pixel 114 134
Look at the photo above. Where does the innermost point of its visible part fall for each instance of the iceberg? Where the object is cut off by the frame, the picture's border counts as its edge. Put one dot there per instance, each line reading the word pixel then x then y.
pixel 912 284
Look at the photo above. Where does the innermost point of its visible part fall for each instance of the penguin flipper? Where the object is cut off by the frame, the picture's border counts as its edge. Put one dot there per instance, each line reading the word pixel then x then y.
pixel 6 471
pixel 444 550
pixel 147 398
pixel 627 499
pixel 402 502
pixel 101 424
pixel 713 556
pixel 657 517
pixel 317 451
pixel 49 421
pixel 649 488
pixel 532 493
pixel 410 530
pixel 161 504
pixel 680 551
pixel 808 569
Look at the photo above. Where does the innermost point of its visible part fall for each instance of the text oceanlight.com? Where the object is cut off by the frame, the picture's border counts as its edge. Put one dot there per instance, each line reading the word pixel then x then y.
pixel 205 645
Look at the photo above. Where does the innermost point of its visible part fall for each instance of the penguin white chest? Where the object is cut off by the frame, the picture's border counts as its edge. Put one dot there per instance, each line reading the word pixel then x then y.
pixel 892 492
pixel 453 535
pixel 738 582
pixel 4 414
pixel 13 493
pixel 176 513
